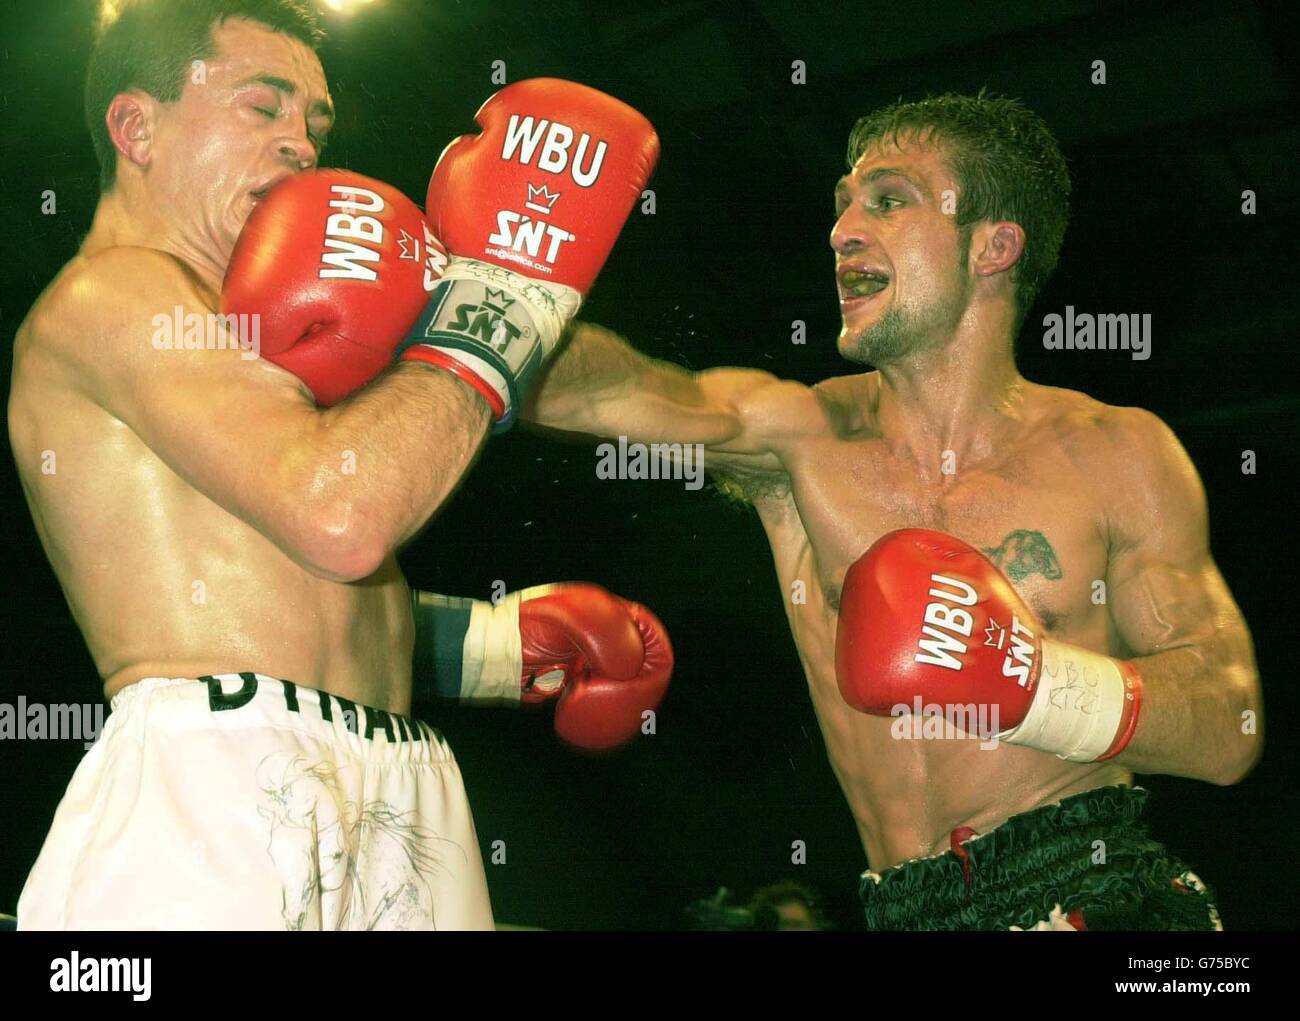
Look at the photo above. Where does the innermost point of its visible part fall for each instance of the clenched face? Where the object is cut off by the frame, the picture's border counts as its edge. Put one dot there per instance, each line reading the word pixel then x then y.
pixel 261 114
pixel 900 261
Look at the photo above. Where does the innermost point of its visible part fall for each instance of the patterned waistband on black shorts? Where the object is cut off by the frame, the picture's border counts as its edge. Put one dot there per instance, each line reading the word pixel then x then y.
pixel 1090 854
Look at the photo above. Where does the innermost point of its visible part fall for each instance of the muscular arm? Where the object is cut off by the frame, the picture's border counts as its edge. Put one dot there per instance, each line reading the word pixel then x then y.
pixel 1173 609
pixel 599 384
pixel 336 490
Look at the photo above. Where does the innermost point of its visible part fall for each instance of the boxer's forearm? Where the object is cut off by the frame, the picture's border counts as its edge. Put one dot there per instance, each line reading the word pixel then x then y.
pixel 599 384
pixel 384 460
pixel 1201 713
pixel 593 366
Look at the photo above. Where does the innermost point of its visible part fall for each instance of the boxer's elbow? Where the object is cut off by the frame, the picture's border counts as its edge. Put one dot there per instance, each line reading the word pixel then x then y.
pixel 338 541
pixel 1233 765
pixel 1239 759
pixel 346 551
pixel 1244 743
pixel 324 519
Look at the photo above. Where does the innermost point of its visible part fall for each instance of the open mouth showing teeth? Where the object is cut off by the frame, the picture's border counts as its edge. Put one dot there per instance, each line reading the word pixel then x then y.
pixel 862 283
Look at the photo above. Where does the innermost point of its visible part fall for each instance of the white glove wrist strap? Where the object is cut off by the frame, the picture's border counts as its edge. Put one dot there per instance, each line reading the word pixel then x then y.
pixel 493 651
pixel 1080 703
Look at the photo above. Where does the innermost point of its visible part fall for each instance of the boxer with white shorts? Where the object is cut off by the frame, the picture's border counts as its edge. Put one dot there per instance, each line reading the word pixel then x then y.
pixel 253 803
pixel 214 514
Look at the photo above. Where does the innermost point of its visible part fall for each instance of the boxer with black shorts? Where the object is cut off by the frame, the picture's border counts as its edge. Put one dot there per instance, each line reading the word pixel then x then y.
pixel 949 220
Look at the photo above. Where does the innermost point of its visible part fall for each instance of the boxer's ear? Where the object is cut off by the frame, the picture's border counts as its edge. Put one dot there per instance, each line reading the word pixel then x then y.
pixel 130 120
pixel 995 247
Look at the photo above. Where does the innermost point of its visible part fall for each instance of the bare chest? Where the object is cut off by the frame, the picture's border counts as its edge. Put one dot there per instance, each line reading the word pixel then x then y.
pixel 1032 512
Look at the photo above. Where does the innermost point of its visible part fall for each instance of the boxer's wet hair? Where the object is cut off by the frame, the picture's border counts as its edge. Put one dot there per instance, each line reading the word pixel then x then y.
pixel 1006 163
pixel 151 44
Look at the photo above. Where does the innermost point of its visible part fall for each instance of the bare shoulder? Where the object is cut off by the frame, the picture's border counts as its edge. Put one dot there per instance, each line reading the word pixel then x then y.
pixel 1146 477
pixel 1154 475
pixel 104 297
pixel 770 405
pixel 787 417
pixel 1099 434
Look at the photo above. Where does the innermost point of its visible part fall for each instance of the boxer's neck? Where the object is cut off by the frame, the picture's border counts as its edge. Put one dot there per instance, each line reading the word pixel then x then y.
pixel 963 396
pixel 128 215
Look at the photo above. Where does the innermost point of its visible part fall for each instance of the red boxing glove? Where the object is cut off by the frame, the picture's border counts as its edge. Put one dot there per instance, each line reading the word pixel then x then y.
pixel 926 618
pixel 529 209
pixel 604 660
pixel 338 267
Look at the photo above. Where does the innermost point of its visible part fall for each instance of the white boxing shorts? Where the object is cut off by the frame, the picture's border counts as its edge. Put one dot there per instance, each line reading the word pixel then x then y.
pixel 248 802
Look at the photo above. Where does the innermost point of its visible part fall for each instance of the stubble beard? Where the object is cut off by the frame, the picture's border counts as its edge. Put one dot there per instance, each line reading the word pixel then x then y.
pixel 901 332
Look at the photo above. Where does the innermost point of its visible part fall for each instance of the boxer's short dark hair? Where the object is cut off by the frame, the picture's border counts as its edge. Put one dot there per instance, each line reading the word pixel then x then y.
pixel 151 44
pixel 1007 165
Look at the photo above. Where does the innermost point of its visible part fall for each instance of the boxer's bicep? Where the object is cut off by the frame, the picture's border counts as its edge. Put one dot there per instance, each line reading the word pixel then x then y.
pixel 229 424
pixel 1168 601
pixel 768 416
pixel 1165 604
pixel 1164 590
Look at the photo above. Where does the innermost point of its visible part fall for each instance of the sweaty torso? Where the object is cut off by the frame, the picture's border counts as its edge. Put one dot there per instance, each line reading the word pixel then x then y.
pixel 1036 508
pixel 162 581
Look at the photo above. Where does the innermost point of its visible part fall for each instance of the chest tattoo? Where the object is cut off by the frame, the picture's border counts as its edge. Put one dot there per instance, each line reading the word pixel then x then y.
pixel 1024 553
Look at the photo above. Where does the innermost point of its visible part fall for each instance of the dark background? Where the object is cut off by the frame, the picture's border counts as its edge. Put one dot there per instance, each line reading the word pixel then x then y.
pixel 1199 106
